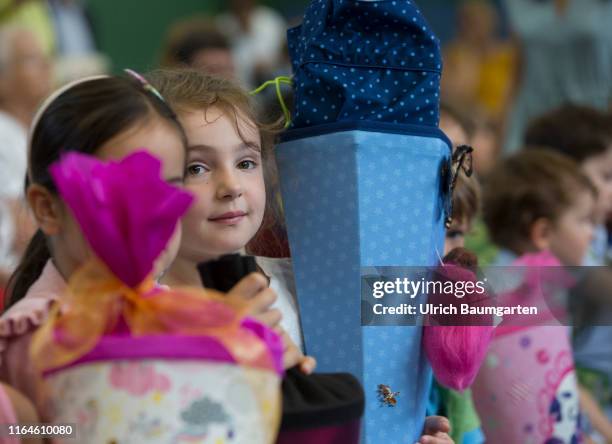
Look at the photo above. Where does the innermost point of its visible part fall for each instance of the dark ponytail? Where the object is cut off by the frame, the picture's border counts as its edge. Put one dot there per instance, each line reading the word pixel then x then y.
pixel 34 259
pixel 82 118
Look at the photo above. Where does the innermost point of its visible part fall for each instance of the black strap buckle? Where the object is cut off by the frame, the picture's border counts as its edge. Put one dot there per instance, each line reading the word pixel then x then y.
pixel 461 160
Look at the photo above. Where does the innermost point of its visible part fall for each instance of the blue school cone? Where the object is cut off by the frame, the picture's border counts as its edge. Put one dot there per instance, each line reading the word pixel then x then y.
pixel 363 185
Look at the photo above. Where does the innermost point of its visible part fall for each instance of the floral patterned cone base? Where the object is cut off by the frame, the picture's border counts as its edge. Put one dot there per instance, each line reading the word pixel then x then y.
pixel 164 401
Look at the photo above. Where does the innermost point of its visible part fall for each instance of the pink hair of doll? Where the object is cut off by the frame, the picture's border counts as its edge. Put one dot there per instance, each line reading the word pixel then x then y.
pixel 456 351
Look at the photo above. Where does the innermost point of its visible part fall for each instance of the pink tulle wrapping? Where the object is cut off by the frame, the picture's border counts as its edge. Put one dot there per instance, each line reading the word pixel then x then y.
pixel 456 352
pixel 127 230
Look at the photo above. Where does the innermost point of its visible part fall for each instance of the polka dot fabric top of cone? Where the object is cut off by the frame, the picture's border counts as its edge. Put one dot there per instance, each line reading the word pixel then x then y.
pixel 365 60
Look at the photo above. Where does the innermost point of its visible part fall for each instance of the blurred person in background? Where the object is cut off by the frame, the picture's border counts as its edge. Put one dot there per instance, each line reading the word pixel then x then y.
pixel 25 79
pixel 198 43
pixel 33 15
pixel 479 67
pixel 457 406
pixel 566 56
pixel 64 29
pixel 463 128
pixel 73 28
pixel 257 34
pixel 538 206
pixel 456 124
pixel 585 135
pixel 76 52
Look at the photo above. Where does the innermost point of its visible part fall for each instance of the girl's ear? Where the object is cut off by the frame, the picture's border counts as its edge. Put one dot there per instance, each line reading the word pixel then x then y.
pixel 540 234
pixel 46 209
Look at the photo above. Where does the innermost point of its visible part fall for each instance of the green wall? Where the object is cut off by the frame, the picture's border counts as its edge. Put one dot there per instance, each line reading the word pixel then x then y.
pixel 131 31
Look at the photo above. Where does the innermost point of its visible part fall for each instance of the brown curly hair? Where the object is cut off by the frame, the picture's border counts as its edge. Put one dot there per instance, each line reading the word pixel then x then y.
pixel 525 187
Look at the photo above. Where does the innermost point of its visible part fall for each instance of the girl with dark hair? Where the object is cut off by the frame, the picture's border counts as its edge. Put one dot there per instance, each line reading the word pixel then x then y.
pixel 109 117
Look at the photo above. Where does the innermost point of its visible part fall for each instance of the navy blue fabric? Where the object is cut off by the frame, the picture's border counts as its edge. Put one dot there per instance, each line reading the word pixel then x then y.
pixel 365 60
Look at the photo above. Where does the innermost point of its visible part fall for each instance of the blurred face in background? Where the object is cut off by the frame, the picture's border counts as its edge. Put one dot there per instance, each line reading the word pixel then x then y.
pixel 455 235
pixel 599 170
pixel 483 140
pixel 453 129
pixel 569 238
pixel 216 61
pixel 477 21
pixel 242 11
pixel 25 74
pixel 485 153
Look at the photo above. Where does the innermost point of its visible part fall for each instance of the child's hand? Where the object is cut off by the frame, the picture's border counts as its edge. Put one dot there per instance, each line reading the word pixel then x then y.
pixel 293 356
pixel 254 289
pixel 436 431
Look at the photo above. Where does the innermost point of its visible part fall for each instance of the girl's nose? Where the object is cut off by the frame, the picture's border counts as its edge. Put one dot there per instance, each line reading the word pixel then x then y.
pixel 229 186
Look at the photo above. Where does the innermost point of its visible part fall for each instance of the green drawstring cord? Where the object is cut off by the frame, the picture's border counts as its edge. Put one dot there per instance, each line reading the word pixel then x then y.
pixel 277 81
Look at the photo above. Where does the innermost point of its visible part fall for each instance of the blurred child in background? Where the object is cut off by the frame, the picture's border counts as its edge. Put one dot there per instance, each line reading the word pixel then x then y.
pixel 539 208
pixel 257 35
pixel 464 128
pixel 25 80
pixel 198 43
pixel 458 407
pixel 585 135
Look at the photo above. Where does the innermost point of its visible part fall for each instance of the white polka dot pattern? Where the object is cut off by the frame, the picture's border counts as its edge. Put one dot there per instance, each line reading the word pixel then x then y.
pixel 356 60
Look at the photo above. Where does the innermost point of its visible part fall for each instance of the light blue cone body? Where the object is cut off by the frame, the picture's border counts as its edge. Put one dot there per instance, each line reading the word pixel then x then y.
pixel 360 195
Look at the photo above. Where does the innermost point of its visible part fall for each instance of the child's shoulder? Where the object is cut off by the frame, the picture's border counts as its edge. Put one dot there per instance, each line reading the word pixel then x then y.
pixel 279 271
pixel 32 310
pixel 275 265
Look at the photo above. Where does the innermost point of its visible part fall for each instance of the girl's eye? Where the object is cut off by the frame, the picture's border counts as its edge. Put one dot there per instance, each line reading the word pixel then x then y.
pixel 196 169
pixel 454 234
pixel 247 165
